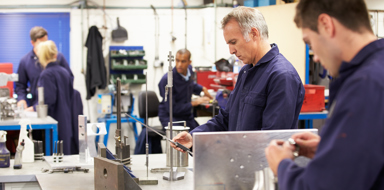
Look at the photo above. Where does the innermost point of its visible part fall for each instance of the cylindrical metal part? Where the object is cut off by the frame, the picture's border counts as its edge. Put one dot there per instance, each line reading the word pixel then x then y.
pixel 118 105
pixel 40 94
pixel 179 159
pixel 42 110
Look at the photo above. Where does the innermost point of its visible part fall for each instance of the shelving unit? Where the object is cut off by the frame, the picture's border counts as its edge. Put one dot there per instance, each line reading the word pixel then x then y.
pixel 127 63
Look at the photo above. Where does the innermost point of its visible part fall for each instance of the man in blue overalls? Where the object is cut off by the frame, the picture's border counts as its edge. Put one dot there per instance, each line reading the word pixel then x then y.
pixel 183 88
pixel 268 94
pixel 349 153
pixel 29 68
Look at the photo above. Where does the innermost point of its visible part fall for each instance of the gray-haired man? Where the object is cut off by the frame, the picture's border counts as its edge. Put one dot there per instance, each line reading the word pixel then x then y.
pixel 269 92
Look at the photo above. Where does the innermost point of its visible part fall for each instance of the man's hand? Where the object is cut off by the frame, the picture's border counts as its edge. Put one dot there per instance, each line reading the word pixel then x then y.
pixel 200 100
pixel 22 103
pixel 277 151
pixel 207 94
pixel 307 142
pixel 183 138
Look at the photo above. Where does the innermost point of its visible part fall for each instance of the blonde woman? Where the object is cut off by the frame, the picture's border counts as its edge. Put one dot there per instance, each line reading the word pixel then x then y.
pixel 58 93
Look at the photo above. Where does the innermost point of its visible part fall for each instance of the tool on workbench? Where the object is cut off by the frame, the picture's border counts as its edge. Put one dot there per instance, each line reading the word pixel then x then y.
pixel 297 148
pixel 147 180
pixel 39 153
pixel 41 108
pixel 29 152
pixel 122 148
pixel 111 171
pixel 19 154
pixel 165 137
pixel 58 151
pixel 66 170
pixel 179 159
pixel 4 152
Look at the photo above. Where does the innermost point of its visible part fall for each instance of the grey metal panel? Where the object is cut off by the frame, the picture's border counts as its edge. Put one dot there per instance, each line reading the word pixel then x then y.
pixel 229 160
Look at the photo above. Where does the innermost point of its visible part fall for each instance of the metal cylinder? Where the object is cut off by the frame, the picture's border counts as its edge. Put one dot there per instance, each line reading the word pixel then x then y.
pixel 179 159
pixel 40 94
pixel 42 110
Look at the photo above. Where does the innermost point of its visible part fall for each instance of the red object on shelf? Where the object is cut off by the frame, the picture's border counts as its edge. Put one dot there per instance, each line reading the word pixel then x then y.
pixel 314 99
pixel 7 68
pixel 205 78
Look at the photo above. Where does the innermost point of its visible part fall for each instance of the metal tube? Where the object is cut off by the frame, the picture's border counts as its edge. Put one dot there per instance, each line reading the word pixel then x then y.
pixel 170 127
pixel 118 106
pixel 146 121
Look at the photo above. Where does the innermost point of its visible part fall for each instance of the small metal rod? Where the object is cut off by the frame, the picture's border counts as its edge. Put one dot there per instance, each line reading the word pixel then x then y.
pixel 170 84
pixel 118 106
pixel 146 121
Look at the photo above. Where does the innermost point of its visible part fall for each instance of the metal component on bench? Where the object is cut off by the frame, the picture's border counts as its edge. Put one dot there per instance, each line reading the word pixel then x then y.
pixel 109 174
pixel 265 180
pixel 176 175
pixel 39 153
pixel 66 170
pixel 122 147
pixel 147 180
pixel 165 137
pixel 83 146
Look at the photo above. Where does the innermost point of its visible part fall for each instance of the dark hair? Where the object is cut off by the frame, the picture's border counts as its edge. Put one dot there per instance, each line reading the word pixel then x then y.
pixel 184 51
pixel 37 32
pixel 352 14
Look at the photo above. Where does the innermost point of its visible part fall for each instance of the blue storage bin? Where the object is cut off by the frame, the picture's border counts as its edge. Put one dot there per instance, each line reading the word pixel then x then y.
pixel 251 3
pixel 266 2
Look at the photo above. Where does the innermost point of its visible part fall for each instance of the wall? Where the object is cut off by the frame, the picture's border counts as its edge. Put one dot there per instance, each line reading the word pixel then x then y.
pixel 286 35
pixel 201 36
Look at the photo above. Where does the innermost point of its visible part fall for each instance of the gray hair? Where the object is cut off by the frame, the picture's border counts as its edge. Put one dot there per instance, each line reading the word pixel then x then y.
pixel 247 18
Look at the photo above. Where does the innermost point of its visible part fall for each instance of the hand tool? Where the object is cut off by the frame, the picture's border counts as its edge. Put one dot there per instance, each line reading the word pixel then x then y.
pixel 166 138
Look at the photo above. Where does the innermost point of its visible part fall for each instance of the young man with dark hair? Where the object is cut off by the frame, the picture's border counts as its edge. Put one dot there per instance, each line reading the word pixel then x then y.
pixel 349 152
pixel 30 69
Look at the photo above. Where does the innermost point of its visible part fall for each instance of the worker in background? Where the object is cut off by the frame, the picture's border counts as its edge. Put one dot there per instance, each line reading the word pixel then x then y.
pixel 58 94
pixel 182 90
pixel 30 69
pixel 349 152
pixel 268 93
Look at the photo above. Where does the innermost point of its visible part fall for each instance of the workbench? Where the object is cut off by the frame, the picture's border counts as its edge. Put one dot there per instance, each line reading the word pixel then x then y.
pixel 31 175
pixel 308 117
pixel 47 124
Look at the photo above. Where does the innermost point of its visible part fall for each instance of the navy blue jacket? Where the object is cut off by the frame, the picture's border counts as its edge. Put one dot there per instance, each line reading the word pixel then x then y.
pixel 350 154
pixel 182 94
pixel 59 96
pixel 267 96
pixel 29 71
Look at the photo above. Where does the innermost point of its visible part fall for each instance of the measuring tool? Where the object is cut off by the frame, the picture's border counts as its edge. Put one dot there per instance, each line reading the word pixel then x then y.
pixel 166 138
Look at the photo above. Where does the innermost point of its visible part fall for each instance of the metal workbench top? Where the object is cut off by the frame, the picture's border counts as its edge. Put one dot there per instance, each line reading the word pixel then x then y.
pixel 34 120
pixel 84 181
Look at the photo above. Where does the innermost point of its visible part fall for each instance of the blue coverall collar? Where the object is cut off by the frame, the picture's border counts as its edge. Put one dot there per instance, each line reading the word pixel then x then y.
pixel 272 53
pixel 362 55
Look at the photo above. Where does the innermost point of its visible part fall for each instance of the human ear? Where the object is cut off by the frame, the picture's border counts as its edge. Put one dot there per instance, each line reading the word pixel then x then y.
pixel 326 25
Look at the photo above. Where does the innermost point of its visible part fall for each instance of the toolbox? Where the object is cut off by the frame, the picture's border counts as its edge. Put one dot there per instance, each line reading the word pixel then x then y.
pixel 314 100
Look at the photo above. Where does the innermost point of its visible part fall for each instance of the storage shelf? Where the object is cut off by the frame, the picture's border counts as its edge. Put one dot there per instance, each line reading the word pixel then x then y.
pixel 131 81
pixel 128 67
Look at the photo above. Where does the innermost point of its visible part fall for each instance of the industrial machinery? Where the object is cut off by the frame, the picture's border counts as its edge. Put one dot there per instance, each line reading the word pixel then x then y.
pixel 111 171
